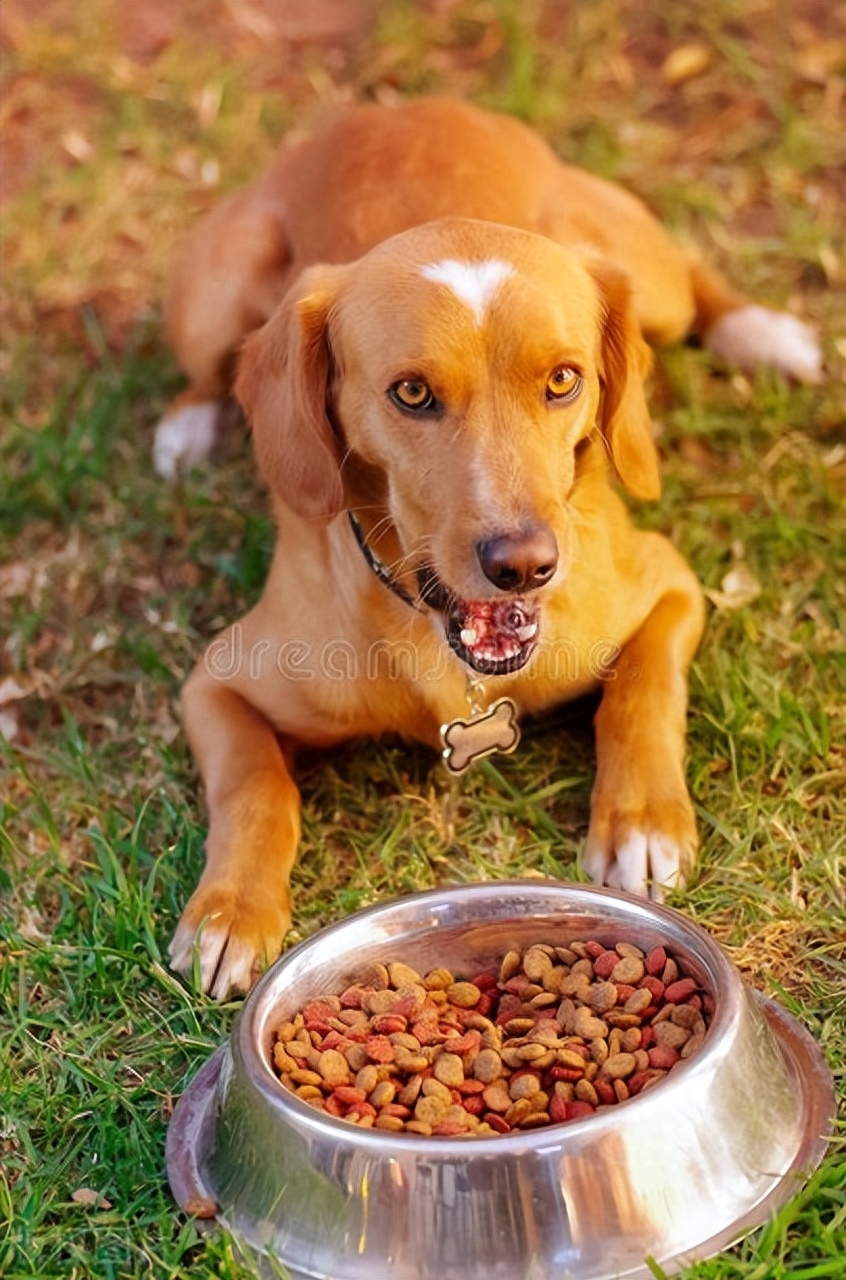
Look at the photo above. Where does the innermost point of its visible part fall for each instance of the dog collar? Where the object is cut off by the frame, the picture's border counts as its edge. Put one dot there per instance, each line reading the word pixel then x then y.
pixel 379 567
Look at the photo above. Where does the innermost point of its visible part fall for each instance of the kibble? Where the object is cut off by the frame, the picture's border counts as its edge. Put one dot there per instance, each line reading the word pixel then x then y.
pixel 553 1035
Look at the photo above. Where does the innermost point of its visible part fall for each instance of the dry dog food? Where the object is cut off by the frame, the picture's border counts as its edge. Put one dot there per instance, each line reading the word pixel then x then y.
pixel 557 1034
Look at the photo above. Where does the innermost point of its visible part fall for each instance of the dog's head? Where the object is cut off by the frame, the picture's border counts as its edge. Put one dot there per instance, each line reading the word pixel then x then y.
pixel 452 379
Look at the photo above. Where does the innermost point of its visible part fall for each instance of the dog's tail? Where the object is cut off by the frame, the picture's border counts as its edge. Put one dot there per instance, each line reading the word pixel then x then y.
pixel 750 337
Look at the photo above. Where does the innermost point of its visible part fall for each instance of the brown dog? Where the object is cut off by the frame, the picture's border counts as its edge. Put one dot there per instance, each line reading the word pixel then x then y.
pixel 437 408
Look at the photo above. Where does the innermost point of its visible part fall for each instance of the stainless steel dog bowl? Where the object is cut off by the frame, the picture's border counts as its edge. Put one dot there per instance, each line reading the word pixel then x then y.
pixel 675 1174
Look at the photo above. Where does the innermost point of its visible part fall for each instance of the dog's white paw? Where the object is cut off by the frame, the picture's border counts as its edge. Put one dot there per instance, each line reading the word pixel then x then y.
pixel 646 863
pixel 231 939
pixel 186 438
pixel 647 846
pixel 755 337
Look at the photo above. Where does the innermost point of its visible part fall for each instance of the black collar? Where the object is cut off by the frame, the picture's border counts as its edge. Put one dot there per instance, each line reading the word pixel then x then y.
pixel 378 566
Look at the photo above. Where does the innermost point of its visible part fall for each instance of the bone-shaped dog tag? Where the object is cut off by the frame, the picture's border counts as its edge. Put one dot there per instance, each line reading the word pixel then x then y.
pixel 466 741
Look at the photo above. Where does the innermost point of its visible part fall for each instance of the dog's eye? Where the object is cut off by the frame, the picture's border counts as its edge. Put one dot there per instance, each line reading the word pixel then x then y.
pixel 563 384
pixel 412 393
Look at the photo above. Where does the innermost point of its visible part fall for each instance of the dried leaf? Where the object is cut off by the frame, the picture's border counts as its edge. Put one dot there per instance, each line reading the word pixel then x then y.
pixel 77 146
pixel 200 1207
pixel 685 62
pixel 738 587
pixel 9 725
pixel 88 1196
pixel 11 691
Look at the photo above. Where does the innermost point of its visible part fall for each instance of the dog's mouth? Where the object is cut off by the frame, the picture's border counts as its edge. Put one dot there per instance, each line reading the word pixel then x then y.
pixel 494 637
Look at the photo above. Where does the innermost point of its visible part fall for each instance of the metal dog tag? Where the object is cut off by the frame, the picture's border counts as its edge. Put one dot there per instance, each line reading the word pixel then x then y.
pixel 482 734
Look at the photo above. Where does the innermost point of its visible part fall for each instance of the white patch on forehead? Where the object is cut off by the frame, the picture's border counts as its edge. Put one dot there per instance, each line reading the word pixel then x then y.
pixel 475 283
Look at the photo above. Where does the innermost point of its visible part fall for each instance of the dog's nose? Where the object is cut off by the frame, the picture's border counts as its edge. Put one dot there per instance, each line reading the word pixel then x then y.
pixel 519 561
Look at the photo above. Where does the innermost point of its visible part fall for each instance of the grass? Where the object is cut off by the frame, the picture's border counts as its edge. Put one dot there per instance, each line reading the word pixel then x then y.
pixel 110 583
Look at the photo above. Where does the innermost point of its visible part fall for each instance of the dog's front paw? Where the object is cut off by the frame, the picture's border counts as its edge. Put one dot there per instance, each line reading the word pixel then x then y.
pixel 232 937
pixel 648 851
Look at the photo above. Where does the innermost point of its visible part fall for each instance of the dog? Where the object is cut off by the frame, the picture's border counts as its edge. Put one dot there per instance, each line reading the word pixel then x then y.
pixel 439 335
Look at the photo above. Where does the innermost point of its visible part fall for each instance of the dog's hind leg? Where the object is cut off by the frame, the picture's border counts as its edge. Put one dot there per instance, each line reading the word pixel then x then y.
pixel 228 276
pixel 748 336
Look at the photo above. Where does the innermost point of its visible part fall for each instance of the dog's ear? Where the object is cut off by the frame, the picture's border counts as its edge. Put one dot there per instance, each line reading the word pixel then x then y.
pixel 282 385
pixel 625 363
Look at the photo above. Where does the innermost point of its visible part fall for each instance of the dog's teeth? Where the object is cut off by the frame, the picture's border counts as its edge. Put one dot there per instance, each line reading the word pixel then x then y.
pixel 468 637
pixel 528 632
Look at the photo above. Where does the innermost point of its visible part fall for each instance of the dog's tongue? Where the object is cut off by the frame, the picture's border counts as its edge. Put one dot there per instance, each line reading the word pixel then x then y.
pixel 496 630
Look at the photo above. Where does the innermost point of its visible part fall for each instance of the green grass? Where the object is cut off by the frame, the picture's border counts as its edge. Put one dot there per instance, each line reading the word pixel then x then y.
pixel 110 584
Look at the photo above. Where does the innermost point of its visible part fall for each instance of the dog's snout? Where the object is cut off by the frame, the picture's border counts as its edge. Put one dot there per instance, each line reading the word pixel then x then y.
pixel 520 561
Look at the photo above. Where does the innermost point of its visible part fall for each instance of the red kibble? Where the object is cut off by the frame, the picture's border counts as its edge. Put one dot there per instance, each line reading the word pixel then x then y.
pixel 496 1122
pixel 557 1109
pixel 388 1023
pixel 319 1011
pixel 485 1003
pixel 484 981
pixel 656 960
pixel 577 1110
pixel 594 948
pixel 603 965
pixel 334 1040
pixel 641 1079
pixel 395 1109
pixel 516 986
pixel 348 1095
pixel 624 990
pixel 333 1107
pixel 406 1007
pixel 468 1087
pixel 379 1049
pixel 663 1056
pixel 605 1091
pixel 545 1015
pixel 678 992
pixel 653 985
pixel 361 1109
pixel 352 997
pixel 315 1024
pixel 509 1004
pixel 427 1031
pixel 572 1074
pixel 475 1105
pixel 647 1037
pixel 464 1044
pixel 357 1035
